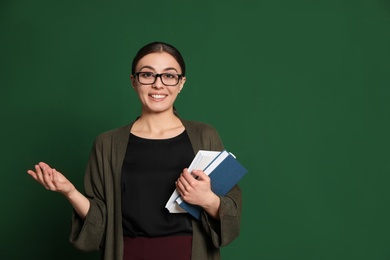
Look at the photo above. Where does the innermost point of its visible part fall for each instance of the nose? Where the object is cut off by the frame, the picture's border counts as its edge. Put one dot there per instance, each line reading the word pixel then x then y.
pixel 158 82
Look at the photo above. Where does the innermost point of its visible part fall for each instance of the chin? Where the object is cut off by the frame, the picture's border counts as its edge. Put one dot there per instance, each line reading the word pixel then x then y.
pixel 160 110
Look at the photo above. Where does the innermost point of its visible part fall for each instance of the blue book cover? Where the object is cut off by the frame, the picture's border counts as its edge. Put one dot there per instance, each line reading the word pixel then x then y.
pixel 224 172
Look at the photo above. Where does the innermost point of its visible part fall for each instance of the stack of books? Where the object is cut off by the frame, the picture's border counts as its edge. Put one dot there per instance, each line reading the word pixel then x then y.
pixel 224 171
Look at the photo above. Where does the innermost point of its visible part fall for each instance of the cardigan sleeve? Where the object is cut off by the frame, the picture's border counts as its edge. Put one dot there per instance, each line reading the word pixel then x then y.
pixel 227 228
pixel 88 234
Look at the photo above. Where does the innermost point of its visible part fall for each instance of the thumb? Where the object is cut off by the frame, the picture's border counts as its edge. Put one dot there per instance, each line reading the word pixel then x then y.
pixel 56 180
pixel 199 174
pixel 55 175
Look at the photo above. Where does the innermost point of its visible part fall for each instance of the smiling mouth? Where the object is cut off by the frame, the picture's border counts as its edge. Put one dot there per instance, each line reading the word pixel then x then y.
pixel 158 96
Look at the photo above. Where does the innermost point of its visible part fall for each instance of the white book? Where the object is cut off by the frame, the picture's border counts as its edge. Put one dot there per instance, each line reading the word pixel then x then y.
pixel 200 162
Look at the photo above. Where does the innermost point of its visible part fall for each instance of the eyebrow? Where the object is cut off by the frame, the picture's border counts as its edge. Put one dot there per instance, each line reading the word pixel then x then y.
pixel 150 67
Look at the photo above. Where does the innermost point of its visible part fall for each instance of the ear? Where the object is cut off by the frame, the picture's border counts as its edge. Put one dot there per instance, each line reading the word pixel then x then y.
pixel 181 86
pixel 133 81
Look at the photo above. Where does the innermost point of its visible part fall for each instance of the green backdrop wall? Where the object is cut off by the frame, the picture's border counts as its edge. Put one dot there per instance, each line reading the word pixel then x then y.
pixel 298 90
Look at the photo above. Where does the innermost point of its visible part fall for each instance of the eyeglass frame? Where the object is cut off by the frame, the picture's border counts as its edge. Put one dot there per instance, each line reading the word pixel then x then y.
pixel 158 75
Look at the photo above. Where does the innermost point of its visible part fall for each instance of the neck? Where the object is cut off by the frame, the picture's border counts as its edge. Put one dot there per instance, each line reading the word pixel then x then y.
pixel 157 125
pixel 158 121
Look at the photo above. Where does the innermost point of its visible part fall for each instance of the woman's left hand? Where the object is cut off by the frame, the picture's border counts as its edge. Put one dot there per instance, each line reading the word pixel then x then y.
pixel 195 188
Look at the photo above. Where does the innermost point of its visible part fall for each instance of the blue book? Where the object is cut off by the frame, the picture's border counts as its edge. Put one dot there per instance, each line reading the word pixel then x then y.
pixel 224 172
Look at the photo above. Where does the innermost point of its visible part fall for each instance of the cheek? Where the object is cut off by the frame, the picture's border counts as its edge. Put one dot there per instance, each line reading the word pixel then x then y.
pixel 175 93
pixel 140 92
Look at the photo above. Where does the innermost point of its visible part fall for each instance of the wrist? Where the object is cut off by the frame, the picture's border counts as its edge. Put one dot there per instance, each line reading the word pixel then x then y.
pixel 71 194
pixel 212 206
pixel 212 202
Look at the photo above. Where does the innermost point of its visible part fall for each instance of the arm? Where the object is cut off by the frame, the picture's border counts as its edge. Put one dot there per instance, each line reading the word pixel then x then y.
pixel 89 211
pixel 225 228
pixel 222 214
pixel 87 233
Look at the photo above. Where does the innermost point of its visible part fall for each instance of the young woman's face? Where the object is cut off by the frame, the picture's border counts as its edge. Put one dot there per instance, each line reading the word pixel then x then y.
pixel 157 97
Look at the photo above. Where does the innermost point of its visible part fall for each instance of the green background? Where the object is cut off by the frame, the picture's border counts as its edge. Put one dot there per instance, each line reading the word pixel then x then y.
pixel 298 90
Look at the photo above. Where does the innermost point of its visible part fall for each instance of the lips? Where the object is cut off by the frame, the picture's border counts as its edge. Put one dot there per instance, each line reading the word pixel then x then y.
pixel 157 96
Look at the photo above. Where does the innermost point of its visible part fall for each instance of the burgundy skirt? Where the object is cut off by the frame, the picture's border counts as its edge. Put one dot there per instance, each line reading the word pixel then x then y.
pixel 172 248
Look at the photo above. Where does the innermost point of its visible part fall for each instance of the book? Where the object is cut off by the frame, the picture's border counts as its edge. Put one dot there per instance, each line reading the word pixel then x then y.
pixel 224 171
pixel 202 159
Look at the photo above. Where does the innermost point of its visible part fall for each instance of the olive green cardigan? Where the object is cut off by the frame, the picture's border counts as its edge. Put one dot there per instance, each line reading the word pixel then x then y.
pixel 102 228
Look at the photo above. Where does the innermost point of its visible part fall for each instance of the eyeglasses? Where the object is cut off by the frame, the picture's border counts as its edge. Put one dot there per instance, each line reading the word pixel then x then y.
pixel 148 78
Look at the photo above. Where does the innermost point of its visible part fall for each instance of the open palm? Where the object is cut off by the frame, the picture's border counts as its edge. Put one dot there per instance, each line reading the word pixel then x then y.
pixel 51 179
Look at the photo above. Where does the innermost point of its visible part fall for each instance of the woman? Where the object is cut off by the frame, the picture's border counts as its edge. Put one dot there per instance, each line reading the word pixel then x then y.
pixel 133 170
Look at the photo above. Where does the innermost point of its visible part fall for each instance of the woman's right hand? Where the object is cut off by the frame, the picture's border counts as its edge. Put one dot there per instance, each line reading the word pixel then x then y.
pixel 52 179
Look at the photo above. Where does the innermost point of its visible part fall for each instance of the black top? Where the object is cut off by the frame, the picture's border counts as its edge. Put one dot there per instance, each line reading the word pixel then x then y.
pixel 149 172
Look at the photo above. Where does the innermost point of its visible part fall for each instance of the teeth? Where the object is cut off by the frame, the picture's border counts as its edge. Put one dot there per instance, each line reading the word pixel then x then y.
pixel 158 96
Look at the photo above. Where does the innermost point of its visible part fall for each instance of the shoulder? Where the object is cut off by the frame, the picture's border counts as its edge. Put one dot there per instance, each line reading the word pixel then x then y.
pixel 203 136
pixel 117 134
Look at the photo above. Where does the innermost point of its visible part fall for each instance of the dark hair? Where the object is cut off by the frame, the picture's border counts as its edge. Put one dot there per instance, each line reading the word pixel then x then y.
pixel 159 47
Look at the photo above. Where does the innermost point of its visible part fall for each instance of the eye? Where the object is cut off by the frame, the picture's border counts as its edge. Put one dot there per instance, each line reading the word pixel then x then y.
pixel 146 75
pixel 169 76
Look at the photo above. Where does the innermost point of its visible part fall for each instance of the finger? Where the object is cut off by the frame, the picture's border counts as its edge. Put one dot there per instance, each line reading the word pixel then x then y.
pixel 56 180
pixel 188 176
pixel 183 180
pixel 181 188
pixel 191 180
pixel 198 174
pixel 181 185
pixel 32 174
pixel 55 175
pixel 39 174
pixel 43 165
pixel 48 178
